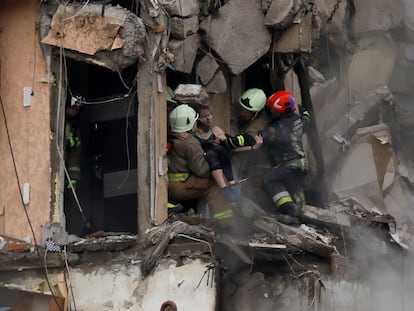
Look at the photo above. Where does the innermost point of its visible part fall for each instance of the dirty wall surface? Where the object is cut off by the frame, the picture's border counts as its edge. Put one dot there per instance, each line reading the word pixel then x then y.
pixel 22 65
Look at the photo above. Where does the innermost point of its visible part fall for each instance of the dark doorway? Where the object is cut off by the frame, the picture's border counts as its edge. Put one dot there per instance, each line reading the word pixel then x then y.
pixel 258 76
pixel 107 128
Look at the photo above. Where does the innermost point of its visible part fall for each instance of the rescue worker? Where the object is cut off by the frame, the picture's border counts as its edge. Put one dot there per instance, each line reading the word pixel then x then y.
pixel 188 171
pixel 282 139
pixel 73 145
pixel 251 165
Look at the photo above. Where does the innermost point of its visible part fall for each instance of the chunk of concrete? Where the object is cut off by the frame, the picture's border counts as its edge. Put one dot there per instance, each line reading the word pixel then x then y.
pixel 238 34
pixel 315 75
pixel 325 217
pixel 363 113
pixel 266 5
pixel 218 84
pixel 190 93
pixel 358 178
pixel 297 37
pixel 326 8
pixel 281 13
pixel 181 28
pixel 185 52
pixel 377 15
pixel 372 65
pixel 397 201
pixel 111 41
pixel 206 69
pixel 401 81
pixel 183 8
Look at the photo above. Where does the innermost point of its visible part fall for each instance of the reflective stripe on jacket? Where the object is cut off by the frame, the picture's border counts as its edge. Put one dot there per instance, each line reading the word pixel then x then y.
pixel 178 176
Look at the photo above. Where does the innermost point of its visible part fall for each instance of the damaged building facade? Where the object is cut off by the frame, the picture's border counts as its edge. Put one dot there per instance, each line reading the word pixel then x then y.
pixel 108 242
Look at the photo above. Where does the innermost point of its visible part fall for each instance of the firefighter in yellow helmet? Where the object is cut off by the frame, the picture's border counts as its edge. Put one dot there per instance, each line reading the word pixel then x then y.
pixel 188 171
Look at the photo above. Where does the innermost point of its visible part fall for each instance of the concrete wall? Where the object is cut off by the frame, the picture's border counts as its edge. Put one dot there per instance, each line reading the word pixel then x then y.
pixel 120 287
pixel 22 65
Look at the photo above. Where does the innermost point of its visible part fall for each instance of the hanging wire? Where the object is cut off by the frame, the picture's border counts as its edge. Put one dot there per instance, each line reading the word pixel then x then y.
pixel 198 240
pixel 77 13
pixel 122 79
pixel 127 142
pixel 22 201
pixel 69 277
pixel 105 101
pixel 290 266
pixel 63 69
pixel 297 262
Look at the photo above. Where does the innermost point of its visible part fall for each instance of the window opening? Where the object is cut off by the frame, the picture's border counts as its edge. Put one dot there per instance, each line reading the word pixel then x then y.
pixel 101 148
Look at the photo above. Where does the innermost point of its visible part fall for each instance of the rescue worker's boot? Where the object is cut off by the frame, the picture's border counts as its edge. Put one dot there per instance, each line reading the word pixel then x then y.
pixel 288 214
pixel 287 220
pixel 175 208
pixel 289 208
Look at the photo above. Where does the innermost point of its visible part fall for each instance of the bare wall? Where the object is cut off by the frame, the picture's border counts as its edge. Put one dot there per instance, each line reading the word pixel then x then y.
pixel 22 65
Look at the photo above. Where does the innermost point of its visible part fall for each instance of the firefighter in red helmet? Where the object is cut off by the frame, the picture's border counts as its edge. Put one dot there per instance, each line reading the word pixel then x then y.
pixel 282 140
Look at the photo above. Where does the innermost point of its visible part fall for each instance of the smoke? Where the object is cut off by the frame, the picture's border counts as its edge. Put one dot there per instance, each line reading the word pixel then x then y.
pixel 385 268
pixel 409 10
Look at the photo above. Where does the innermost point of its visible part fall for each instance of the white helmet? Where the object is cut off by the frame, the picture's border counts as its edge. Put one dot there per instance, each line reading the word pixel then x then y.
pixel 253 100
pixel 182 118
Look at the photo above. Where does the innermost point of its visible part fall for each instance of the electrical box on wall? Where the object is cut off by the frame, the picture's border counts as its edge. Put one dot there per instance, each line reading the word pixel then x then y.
pixel 26 193
pixel 27 96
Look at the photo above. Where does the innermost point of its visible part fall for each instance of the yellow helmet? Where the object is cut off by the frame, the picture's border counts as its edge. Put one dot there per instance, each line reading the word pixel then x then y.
pixel 182 118
pixel 253 100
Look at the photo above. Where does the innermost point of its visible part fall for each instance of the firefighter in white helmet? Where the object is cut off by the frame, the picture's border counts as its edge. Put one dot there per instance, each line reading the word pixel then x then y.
pixel 251 165
pixel 188 171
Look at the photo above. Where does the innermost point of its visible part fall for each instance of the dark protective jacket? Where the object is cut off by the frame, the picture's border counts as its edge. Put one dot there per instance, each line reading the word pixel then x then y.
pixel 282 139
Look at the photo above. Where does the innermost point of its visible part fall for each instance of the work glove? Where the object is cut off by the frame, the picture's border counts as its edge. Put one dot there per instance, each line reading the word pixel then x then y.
pixel 241 140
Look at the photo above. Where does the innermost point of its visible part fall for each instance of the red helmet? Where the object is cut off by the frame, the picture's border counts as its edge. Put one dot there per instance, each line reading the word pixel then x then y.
pixel 282 102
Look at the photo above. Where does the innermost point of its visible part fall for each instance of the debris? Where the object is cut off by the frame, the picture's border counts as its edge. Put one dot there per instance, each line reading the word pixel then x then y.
pixel 265 245
pixel 293 237
pixel 237 250
pixel 160 237
pixel 191 94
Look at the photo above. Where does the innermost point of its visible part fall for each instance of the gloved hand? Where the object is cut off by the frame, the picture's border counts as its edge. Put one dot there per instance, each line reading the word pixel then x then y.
pixel 241 140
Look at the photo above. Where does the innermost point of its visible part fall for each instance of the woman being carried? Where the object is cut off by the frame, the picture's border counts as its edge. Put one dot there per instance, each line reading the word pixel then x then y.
pixel 217 144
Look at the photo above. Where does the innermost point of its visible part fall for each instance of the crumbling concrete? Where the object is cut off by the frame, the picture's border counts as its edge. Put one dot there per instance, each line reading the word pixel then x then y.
pixel 185 52
pixel 217 84
pixel 374 15
pixel 281 13
pixel 181 28
pixel 182 8
pixel 191 94
pixel 113 40
pixel 242 48
pixel 207 68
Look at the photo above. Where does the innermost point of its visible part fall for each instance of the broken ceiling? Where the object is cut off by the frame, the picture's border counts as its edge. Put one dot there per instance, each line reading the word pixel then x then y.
pixel 105 35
